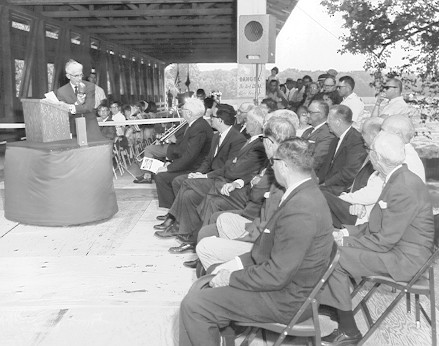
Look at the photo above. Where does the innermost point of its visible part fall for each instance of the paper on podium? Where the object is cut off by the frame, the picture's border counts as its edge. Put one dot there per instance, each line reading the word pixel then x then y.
pixel 50 96
pixel 152 165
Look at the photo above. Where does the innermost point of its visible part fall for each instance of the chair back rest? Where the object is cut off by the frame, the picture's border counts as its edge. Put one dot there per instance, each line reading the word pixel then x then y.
pixel 333 260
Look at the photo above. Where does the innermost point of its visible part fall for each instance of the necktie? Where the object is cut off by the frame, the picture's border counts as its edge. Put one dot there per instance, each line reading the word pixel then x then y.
pixel 307 133
pixel 76 90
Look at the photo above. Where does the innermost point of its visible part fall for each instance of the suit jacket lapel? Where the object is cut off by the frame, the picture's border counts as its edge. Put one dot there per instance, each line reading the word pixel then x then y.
pixel 342 144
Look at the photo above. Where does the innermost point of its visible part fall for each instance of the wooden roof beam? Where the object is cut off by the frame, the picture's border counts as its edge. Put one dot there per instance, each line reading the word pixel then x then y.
pixel 150 22
pixel 137 13
pixel 108 2
pixel 161 29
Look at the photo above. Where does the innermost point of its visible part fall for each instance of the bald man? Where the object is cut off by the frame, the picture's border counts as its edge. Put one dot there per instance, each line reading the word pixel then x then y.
pixel 395 242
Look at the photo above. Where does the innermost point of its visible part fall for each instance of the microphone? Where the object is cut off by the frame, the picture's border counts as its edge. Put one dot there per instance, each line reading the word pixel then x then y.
pixel 81 89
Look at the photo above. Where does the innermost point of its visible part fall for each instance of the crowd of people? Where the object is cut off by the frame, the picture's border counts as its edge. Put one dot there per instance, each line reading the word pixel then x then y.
pixel 262 206
pixel 261 194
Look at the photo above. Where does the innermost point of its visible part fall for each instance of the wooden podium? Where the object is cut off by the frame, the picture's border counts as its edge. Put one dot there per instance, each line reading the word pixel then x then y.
pixel 45 121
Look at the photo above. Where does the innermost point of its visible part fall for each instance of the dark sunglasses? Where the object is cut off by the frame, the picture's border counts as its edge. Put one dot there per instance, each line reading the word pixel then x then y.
pixel 265 137
pixel 387 87
pixel 272 159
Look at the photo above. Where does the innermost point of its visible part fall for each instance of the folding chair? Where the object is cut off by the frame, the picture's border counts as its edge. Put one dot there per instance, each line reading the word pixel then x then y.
pixel 421 284
pixel 308 328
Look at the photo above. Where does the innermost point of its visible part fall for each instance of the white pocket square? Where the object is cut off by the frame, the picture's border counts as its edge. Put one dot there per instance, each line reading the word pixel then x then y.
pixel 266 195
pixel 382 204
pixel 267 230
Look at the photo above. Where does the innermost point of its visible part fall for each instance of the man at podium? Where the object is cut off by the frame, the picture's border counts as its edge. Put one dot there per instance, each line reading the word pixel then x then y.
pixel 79 95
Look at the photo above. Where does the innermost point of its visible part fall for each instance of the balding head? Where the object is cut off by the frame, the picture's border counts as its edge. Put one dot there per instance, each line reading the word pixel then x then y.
pixel 339 119
pixel 370 129
pixel 400 125
pixel 387 152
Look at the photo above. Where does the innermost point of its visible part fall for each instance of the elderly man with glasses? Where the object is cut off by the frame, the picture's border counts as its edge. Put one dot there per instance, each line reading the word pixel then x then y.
pixel 269 283
pixel 79 97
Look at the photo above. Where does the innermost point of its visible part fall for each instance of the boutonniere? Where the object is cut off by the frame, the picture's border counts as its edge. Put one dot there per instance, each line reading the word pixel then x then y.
pixel 382 204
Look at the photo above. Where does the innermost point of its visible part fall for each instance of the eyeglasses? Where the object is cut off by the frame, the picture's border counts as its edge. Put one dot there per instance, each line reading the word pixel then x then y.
pixel 341 86
pixel 265 137
pixel 387 87
pixel 76 75
pixel 310 112
pixel 272 159
pixel 328 85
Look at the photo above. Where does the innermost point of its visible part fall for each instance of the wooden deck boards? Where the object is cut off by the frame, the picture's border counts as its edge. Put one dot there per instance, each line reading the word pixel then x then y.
pixel 114 283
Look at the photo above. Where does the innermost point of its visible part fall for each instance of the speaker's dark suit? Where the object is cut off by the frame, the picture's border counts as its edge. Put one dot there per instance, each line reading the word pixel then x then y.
pixel 395 242
pixel 244 166
pixel 339 208
pixel 284 265
pixel 229 148
pixel 67 94
pixel 338 172
pixel 188 156
pixel 320 141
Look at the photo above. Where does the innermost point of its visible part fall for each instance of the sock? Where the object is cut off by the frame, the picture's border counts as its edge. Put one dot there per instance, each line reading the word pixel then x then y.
pixel 347 322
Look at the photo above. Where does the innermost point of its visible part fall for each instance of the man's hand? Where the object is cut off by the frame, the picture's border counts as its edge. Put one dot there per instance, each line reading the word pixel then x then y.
pixel 162 169
pixel 221 279
pixel 338 237
pixel 358 210
pixel 197 175
pixel 80 99
pixel 227 188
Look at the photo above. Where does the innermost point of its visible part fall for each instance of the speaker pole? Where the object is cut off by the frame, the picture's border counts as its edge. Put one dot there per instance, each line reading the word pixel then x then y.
pixel 256 86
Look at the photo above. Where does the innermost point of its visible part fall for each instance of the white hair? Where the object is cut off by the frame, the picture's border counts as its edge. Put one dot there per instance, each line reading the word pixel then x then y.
pixel 70 65
pixel 390 148
pixel 196 107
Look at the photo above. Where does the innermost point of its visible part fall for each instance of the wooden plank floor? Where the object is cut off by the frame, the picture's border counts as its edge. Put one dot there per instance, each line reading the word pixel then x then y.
pixel 114 283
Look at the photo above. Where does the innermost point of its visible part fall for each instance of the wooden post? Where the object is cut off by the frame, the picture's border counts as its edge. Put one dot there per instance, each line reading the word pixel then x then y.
pixel 7 65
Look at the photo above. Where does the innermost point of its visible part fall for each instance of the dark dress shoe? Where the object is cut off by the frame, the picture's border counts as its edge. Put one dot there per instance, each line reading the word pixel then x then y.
pixel 183 248
pixel 162 217
pixel 192 264
pixel 142 180
pixel 165 224
pixel 338 337
pixel 186 238
pixel 169 232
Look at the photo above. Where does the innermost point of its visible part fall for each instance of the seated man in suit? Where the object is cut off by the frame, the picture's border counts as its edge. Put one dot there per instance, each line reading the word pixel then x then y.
pixel 231 196
pixel 226 144
pixel 244 165
pixel 245 224
pixel 340 204
pixel 395 242
pixel 79 97
pixel 320 136
pixel 346 153
pixel 190 153
pixel 270 283
pixel 354 207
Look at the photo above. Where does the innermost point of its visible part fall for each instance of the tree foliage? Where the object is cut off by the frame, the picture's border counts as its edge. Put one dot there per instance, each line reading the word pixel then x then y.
pixel 376 26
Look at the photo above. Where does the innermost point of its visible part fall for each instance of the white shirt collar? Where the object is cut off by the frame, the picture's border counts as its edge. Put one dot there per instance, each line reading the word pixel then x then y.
pixel 344 134
pixel 291 189
pixel 391 172
pixel 252 138
pixel 319 126
pixel 224 133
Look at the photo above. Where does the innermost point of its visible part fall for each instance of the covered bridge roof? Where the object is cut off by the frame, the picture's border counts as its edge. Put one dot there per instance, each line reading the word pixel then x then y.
pixel 173 31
